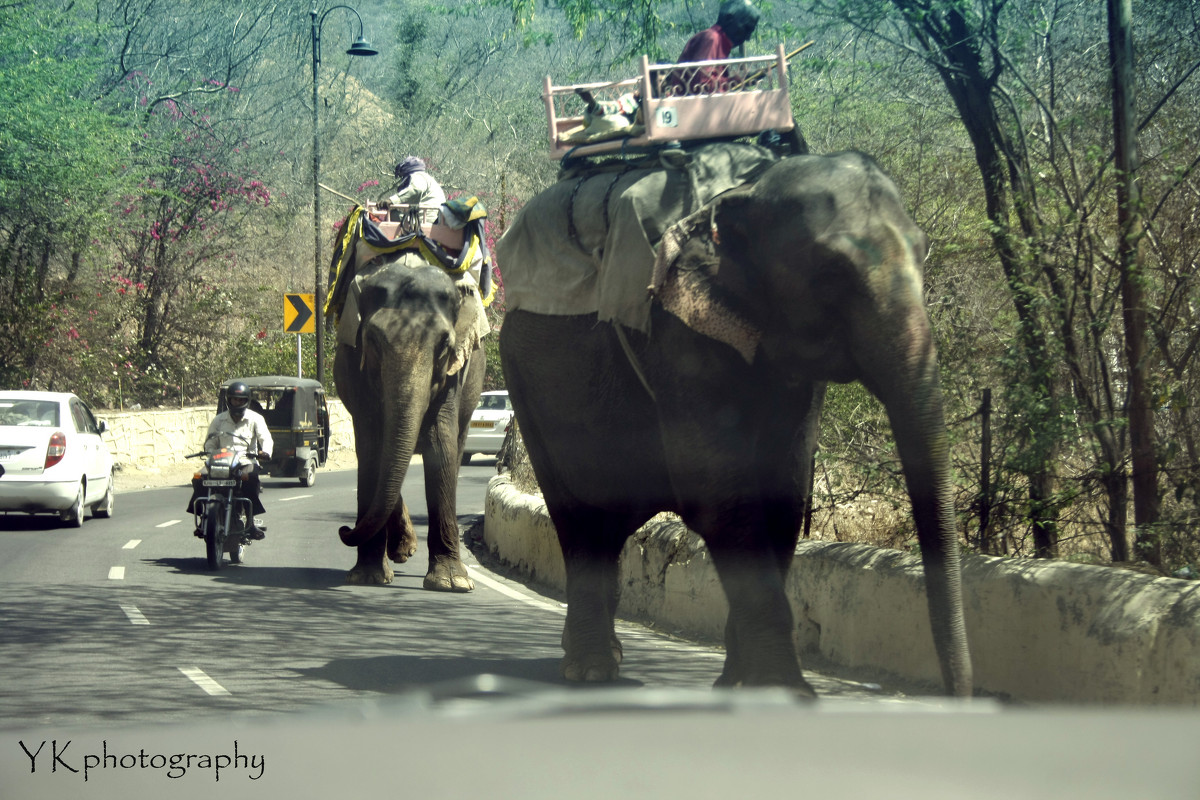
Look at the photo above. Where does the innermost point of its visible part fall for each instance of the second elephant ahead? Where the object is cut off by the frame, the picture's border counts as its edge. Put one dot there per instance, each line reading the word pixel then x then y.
pixel 409 367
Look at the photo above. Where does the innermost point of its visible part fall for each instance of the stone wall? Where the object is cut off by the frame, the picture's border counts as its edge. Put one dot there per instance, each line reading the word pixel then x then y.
pixel 162 437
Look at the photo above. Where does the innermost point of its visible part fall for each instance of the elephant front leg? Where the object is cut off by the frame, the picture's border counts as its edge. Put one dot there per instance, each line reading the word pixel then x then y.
pixel 592 651
pixel 760 650
pixel 372 567
pixel 447 572
pixel 591 541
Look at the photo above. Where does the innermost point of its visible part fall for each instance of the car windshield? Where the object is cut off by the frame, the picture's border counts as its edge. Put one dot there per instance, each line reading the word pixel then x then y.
pixel 36 413
pixel 494 402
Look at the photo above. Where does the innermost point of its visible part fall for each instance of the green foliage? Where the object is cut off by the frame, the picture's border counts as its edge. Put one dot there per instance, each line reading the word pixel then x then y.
pixel 412 80
pixel 142 256
pixel 59 150
pixel 60 153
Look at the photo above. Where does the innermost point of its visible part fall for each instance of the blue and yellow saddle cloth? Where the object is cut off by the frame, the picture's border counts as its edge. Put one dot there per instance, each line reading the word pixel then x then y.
pixel 358 230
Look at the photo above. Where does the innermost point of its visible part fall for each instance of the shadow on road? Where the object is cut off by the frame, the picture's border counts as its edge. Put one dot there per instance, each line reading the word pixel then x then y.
pixel 402 673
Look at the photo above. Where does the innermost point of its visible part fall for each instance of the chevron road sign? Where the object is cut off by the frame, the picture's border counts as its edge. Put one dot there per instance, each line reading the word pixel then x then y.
pixel 298 313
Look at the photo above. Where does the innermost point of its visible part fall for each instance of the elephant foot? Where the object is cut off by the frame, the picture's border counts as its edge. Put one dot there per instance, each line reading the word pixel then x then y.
pixel 448 576
pixel 602 667
pixel 732 678
pixel 370 576
pixel 403 550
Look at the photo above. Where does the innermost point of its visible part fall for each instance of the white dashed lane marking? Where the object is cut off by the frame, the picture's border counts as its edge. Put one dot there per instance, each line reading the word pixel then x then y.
pixel 132 543
pixel 202 680
pixel 294 497
pixel 116 573
pixel 169 523
pixel 135 616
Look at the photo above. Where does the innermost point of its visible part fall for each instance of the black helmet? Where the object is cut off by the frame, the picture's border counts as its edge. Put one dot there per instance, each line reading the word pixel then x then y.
pixel 237 396
pixel 738 18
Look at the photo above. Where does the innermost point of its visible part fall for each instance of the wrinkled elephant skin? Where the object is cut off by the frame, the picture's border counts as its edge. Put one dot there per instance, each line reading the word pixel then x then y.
pixel 407 393
pixel 812 274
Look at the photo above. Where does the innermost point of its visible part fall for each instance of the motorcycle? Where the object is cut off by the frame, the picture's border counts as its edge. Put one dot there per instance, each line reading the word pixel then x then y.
pixel 223 512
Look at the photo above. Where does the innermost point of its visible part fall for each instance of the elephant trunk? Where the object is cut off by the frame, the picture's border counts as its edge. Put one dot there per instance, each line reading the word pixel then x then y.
pixel 914 406
pixel 893 349
pixel 403 402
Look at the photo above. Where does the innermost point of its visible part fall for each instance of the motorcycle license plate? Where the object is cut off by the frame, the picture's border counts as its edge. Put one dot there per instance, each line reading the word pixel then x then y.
pixel 219 482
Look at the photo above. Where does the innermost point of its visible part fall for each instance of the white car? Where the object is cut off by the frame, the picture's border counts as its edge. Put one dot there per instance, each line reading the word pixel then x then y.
pixel 488 424
pixel 52 459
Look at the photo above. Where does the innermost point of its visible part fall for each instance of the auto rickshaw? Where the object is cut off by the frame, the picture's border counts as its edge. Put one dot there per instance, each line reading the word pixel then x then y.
pixel 298 419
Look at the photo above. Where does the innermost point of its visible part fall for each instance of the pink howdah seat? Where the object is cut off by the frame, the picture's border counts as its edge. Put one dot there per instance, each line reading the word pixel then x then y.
pixel 742 96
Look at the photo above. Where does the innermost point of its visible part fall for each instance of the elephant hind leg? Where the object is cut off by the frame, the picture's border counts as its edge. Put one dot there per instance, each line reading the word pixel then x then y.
pixel 401 538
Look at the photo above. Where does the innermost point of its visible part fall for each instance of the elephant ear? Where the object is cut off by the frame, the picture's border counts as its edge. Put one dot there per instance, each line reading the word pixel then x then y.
pixel 471 324
pixel 685 277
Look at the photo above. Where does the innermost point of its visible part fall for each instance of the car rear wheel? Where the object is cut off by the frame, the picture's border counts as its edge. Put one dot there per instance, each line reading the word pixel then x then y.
pixel 104 509
pixel 73 516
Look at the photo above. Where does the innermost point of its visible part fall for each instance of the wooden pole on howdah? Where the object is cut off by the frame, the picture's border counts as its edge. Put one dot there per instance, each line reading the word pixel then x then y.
pixel 760 74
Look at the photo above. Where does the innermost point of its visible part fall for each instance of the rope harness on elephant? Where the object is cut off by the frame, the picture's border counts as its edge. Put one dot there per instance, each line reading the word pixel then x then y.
pixel 609 191
pixel 572 230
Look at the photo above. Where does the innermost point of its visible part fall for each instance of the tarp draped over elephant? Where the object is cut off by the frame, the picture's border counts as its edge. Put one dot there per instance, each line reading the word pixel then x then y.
pixel 677 360
pixel 591 247
pixel 409 367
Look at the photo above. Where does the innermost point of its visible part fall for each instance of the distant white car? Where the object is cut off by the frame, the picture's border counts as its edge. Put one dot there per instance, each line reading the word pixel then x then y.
pixel 486 432
pixel 52 459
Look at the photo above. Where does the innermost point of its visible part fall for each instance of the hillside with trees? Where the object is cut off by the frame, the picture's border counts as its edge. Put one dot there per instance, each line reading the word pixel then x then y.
pixel 156 201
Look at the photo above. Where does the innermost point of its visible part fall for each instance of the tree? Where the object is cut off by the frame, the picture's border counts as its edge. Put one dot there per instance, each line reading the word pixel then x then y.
pixel 59 155
pixel 1133 294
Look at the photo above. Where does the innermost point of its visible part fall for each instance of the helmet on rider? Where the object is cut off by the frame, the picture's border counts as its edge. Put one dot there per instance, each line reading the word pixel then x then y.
pixel 237 396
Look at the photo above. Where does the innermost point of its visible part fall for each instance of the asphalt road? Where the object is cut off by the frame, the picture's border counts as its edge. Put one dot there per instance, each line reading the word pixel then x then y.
pixel 121 621
pixel 121 652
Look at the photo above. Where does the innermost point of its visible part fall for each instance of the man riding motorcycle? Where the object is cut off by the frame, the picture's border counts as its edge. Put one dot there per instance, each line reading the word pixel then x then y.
pixel 243 425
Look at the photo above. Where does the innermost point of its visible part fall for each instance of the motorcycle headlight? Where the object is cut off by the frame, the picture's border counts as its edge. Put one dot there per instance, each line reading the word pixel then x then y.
pixel 220 471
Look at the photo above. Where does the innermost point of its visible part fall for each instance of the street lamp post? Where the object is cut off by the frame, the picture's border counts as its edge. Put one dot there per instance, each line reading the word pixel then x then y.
pixel 361 47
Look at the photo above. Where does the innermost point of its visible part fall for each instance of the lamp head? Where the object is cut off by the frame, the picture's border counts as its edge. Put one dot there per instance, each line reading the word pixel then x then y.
pixel 361 47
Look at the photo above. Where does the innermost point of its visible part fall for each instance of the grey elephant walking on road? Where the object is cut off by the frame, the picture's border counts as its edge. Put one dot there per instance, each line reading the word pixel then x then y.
pixel 810 273
pixel 409 367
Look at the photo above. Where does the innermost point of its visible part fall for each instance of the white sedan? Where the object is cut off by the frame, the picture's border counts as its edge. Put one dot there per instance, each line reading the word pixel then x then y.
pixel 488 424
pixel 52 459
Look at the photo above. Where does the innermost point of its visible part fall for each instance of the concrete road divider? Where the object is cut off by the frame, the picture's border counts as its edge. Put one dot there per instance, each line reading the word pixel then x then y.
pixel 1040 631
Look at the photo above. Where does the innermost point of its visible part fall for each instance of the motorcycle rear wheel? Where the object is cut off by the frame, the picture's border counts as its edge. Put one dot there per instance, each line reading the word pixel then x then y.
pixel 212 539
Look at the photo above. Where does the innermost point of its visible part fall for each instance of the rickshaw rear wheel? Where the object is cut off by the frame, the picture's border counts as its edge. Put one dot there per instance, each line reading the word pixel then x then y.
pixel 309 476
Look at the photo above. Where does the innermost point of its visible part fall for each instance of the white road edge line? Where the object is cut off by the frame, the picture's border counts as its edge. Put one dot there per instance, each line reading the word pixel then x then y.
pixel 135 616
pixel 558 608
pixel 202 680
pixel 116 573
pixel 132 543
pixel 169 523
